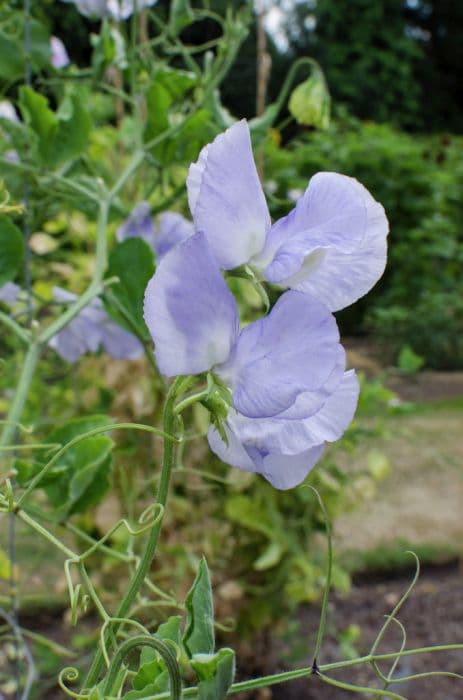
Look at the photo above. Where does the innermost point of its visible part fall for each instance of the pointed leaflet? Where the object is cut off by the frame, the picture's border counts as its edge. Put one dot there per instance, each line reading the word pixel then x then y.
pixel 198 637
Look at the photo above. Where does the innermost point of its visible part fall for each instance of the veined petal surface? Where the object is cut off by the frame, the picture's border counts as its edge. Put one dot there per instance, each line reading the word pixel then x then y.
pixel 282 471
pixel 226 198
pixel 341 278
pixel 333 243
pixel 290 437
pixel 291 351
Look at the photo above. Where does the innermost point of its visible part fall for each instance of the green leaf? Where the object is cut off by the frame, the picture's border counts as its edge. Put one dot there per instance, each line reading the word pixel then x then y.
pixel 11 250
pixel 310 102
pixel 12 48
pixel 158 101
pixel 153 674
pixel 62 135
pixel 81 476
pixel 180 16
pixel 133 262
pixel 11 58
pixel 177 82
pixel 85 480
pixel 215 673
pixel 199 631
pixel 152 669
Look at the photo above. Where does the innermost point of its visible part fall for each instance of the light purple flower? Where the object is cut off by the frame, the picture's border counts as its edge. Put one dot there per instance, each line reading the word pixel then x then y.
pixel 123 9
pixel 59 55
pixel 285 371
pixel 91 329
pixel 116 9
pixel 138 224
pixel 173 228
pixel 9 293
pixel 332 244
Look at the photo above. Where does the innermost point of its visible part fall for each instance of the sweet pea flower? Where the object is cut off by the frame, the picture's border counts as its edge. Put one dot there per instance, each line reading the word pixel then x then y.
pixel 9 293
pixel 115 9
pixel 59 55
pixel 91 329
pixel 285 372
pixel 173 228
pixel 138 224
pixel 123 9
pixel 332 244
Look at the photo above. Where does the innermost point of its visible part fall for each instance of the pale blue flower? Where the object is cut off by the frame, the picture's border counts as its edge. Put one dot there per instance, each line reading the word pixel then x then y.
pixel 173 228
pixel 116 9
pixel 90 330
pixel 289 391
pixel 9 293
pixel 332 244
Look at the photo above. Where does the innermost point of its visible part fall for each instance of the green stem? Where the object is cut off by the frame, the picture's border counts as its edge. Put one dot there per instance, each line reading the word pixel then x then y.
pixel 17 405
pixel 161 647
pixel 150 549
pixel 45 533
pixel 274 679
pixel 326 592
pixel 21 332
pixel 360 689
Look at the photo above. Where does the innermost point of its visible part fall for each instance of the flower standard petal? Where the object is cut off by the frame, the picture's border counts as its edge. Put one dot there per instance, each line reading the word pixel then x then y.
pixel 333 244
pixel 291 351
pixel 226 198
pixel 189 310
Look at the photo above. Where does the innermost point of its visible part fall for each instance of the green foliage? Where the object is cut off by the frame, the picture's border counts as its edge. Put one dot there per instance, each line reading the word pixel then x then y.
pixel 11 250
pixel 199 637
pixel 433 326
pixel 215 673
pixel 80 478
pixel 61 135
pixel 409 361
pixel 132 261
pixel 12 47
pixel 181 15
